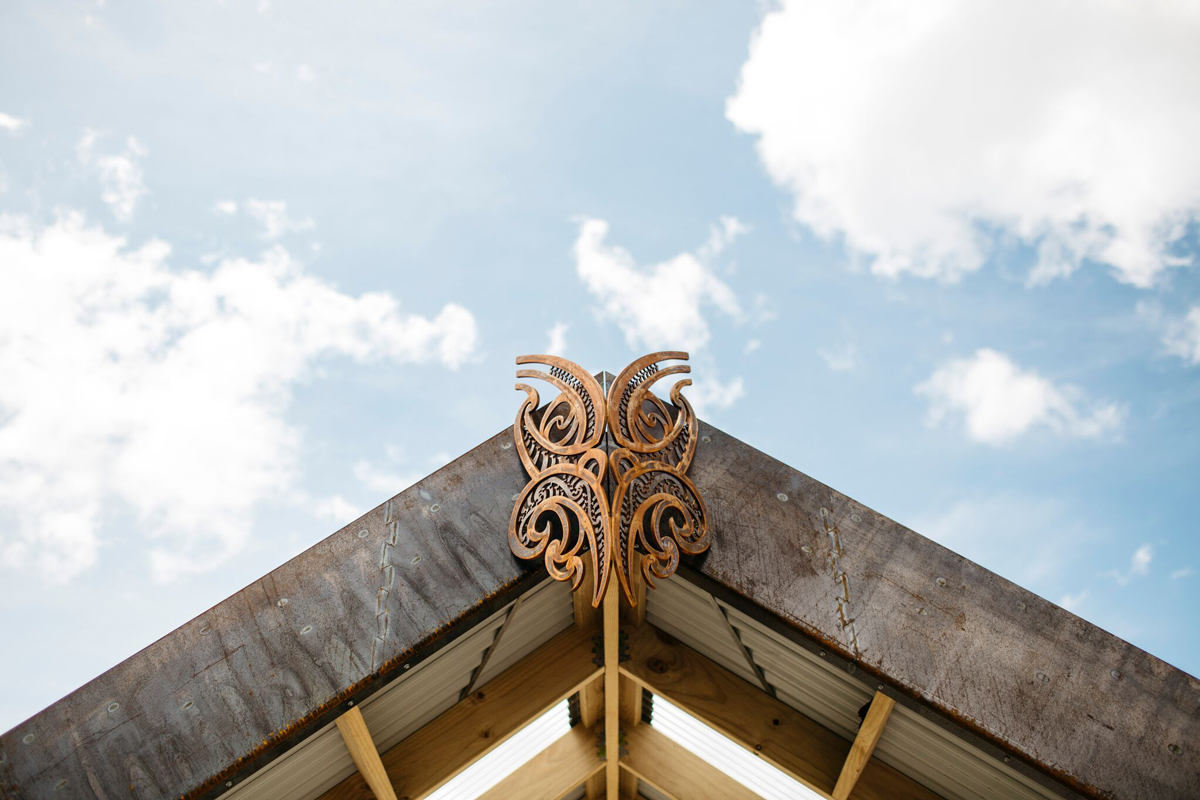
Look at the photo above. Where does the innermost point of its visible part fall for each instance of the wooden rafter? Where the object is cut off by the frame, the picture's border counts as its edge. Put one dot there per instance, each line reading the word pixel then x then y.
pixel 864 745
pixel 782 736
pixel 473 727
pixel 362 749
pixel 676 771
pixel 555 771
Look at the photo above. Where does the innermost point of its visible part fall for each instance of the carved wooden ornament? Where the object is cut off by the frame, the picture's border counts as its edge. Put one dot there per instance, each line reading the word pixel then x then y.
pixel 564 511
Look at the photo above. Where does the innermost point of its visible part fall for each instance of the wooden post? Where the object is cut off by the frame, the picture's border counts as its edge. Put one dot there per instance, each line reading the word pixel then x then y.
pixel 864 744
pixel 362 749
pixel 612 691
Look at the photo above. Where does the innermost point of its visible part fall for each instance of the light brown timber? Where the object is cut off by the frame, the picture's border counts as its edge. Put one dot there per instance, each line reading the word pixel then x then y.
pixel 780 735
pixel 612 717
pixel 676 771
pixel 471 728
pixel 362 749
pixel 555 771
pixel 864 744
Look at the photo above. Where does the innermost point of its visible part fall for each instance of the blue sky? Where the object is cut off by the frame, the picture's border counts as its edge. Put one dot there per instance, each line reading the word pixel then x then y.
pixel 264 264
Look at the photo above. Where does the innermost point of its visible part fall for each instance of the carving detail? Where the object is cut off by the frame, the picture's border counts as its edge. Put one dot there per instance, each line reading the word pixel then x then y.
pixel 564 513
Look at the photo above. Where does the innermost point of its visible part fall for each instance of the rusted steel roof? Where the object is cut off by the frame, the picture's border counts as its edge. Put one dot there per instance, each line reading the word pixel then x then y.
pixel 1086 707
pixel 225 693
pixel 210 702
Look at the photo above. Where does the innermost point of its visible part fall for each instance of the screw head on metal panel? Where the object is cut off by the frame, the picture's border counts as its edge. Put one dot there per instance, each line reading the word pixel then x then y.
pixel 1174 749
pixel 362 534
pixel 940 581
pixel 1116 673
pixel 781 497
pixel 1041 676
pixel 306 630
pixel 855 518
pixel 1020 605
pixel 806 549
pixel 112 707
pixel 27 739
pixel 506 445
pixel 433 509
pixel 283 601
pixel 416 559
pixel 706 439
pixel 821 654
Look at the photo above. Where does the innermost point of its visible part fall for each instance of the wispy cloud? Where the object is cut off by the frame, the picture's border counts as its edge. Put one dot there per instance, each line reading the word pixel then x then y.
pixel 661 306
pixel 557 344
pixel 1182 336
pixel 843 358
pixel 871 114
pixel 1139 566
pixel 272 216
pixel 12 124
pixel 121 179
pixel 194 369
pixel 998 401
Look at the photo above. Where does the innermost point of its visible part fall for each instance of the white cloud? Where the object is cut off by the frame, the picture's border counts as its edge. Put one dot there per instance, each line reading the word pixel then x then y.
pixel 558 339
pixel 121 180
pixel 721 235
pixel 751 346
pixel 272 215
pixel 338 510
pixel 840 359
pixel 305 74
pixel 708 393
pixel 1182 337
pixel 923 134
pixel 130 384
pixel 1139 566
pixel 999 400
pixel 1182 572
pixel 1072 602
pixel 12 124
pixel 226 207
pixel 659 307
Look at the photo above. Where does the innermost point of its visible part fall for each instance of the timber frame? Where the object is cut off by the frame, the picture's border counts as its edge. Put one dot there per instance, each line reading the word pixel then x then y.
pixel 919 629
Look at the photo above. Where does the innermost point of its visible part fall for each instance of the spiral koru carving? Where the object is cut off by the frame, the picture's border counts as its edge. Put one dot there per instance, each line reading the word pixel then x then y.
pixel 564 511
pixel 564 506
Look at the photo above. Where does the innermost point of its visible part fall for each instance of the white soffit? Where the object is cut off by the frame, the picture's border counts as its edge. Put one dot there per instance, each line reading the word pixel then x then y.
pixel 915 746
pixel 415 697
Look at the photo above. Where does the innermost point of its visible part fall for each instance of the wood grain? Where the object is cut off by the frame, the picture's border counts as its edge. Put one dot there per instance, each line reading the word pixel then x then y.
pixel 555 771
pixel 676 771
pixel 864 745
pixel 1018 674
pixel 353 729
pixel 612 716
pixel 473 727
pixel 225 693
pixel 780 735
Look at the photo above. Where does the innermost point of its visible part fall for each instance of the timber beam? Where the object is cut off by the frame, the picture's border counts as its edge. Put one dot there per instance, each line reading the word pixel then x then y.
pixel 443 748
pixel 676 771
pixel 353 729
pixel 555 771
pixel 780 735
